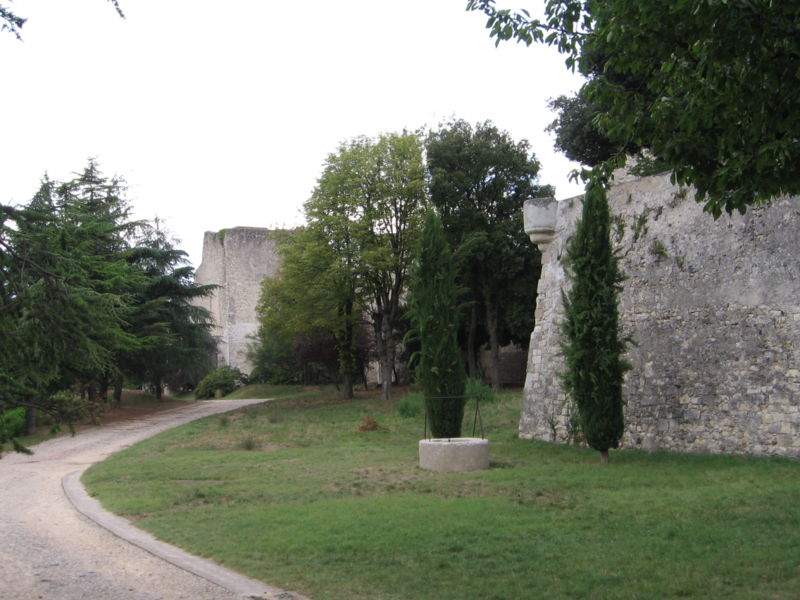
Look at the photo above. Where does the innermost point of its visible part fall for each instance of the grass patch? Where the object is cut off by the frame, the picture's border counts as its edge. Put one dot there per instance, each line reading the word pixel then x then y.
pixel 267 391
pixel 320 506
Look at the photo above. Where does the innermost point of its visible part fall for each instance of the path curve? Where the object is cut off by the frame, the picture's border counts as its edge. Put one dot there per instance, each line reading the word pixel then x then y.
pixel 48 550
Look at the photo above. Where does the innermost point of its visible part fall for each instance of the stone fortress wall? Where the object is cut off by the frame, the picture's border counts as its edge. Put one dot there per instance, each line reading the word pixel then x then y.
pixel 714 307
pixel 237 260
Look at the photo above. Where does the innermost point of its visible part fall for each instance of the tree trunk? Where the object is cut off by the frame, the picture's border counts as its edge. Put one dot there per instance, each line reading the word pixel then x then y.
pixel 103 389
pixel 347 386
pixel 387 360
pixel 604 457
pixel 472 351
pixel 492 320
pixel 381 347
pixel 347 357
pixel 159 388
pixel 91 395
pixel 30 420
pixel 118 390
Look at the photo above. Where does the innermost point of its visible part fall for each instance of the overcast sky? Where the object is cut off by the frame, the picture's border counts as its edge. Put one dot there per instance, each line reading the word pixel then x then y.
pixel 221 114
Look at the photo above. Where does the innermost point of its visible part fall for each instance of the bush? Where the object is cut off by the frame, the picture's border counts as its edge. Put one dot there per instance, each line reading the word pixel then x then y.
pixel 475 388
pixel 226 379
pixel 410 405
pixel 13 423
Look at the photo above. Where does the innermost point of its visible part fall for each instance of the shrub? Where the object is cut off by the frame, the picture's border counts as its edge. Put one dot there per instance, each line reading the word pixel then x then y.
pixel 226 379
pixel 475 388
pixel 12 423
pixel 249 443
pixel 410 405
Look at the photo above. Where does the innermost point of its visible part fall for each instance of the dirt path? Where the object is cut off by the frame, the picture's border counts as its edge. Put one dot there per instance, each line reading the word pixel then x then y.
pixel 48 550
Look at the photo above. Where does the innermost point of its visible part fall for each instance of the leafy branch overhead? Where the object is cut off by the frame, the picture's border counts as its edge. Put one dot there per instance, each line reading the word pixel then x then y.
pixel 708 88
pixel 13 23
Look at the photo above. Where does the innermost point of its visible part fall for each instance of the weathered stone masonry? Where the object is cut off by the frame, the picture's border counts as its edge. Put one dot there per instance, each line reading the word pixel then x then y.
pixel 237 260
pixel 714 307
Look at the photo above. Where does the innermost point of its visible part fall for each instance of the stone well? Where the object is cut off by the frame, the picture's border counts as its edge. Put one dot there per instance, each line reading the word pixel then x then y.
pixel 454 454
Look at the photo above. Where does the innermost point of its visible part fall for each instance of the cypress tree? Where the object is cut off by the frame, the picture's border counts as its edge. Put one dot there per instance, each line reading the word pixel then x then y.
pixel 434 312
pixel 590 340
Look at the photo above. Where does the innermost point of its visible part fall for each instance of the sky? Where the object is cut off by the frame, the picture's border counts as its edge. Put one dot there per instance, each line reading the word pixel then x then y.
pixel 221 114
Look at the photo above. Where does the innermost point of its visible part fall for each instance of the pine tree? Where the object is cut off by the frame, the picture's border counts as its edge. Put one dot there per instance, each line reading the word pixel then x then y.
pixel 434 312
pixel 591 344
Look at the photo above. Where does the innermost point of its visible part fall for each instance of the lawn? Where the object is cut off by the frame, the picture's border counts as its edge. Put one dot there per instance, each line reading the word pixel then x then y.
pixel 292 492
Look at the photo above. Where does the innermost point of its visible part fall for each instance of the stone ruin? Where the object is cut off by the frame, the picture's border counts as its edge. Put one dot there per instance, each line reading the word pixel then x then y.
pixel 714 309
pixel 236 260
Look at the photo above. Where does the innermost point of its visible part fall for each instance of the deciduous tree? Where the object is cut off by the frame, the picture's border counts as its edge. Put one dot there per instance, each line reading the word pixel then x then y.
pixel 13 23
pixel 708 87
pixel 371 196
pixel 314 297
pixel 479 180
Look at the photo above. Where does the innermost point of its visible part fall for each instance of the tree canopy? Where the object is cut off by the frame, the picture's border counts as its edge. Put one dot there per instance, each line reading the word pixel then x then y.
pixel 479 178
pixel 352 258
pixel 372 194
pixel 88 296
pixel 708 87
pixel 13 23
pixel 310 313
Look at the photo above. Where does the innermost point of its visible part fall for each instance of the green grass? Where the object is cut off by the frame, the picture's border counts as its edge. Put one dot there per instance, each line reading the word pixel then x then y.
pixel 267 390
pixel 291 492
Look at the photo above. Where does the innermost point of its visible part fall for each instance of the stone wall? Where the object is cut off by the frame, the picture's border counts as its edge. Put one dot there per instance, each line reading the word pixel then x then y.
pixel 237 260
pixel 714 307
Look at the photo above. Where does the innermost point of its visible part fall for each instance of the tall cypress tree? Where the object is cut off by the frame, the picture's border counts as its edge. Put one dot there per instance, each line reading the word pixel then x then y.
pixel 590 342
pixel 434 312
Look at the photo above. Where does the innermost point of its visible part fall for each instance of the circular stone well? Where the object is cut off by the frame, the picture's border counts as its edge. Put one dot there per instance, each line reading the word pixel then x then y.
pixel 454 454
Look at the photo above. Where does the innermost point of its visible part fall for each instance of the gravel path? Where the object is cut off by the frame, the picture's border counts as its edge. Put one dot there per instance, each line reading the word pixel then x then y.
pixel 48 550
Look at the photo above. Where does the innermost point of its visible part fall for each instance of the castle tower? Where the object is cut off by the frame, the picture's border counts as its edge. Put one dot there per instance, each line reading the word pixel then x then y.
pixel 237 260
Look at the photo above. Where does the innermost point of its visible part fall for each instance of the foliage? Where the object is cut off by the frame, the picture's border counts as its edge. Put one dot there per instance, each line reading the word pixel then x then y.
pixel 13 23
pixel 12 424
pixel 352 257
pixel 310 314
pixel 709 88
pixel 65 283
pixel 179 344
pixel 89 296
pixel 591 343
pixel 389 204
pixel 342 505
pixel 411 405
pixel 226 379
pixel 273 360
pixel 475 388
pixel 433 307
pixel 576 132
pixel 479 180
